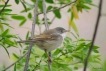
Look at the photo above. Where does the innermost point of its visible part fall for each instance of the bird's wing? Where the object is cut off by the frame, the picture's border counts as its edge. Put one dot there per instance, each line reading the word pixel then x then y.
pixel 47 37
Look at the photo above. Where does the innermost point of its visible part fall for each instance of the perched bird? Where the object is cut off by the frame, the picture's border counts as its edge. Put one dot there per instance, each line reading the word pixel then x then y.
pixel 48 40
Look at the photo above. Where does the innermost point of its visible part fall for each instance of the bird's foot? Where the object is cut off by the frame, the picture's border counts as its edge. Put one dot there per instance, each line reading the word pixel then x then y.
pixel 50 60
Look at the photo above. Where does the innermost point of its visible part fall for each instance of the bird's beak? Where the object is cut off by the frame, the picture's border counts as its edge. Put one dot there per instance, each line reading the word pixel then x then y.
pixel 67 30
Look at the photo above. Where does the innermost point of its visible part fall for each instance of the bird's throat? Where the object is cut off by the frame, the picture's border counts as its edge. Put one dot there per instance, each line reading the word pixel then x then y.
pixel 63 35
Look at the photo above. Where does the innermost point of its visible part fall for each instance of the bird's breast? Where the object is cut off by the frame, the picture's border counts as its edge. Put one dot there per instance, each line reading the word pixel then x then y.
pixel 50 45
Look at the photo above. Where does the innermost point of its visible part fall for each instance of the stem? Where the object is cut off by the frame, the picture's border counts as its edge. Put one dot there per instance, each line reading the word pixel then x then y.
pixel 59 7
pixel 15 62
pixel 32 35
pixel 94 36
pixel 4 7
pixel 45 16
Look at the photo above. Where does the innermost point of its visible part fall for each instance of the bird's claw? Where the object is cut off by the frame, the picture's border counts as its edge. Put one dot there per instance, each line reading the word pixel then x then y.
pixel 50 60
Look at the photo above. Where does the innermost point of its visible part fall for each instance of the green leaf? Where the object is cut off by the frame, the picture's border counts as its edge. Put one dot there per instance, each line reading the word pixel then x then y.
pixel 28 9
pixel 93 5
pixel 72 16
pixel 56 52
pixel 15 55
pixel 10 36
pixel 74 35
pixel 9 14
pixel 96 47
pixel 85 7
pixel 17 1
pixel 49 1
pixel 40 6
pixel 7 10
pixel 15 67
pixel 23 22
pixel 6 5
pixel 67 39
pixel 5 50
pixel 49 8
pixel 73 25
pixel 1 27
pixel 18 17
pixel 29 15
pixel 57 13
pixel 5 32
pixel 43 67
pixel 20 45
pixel 96 51
pixel 76 56
pixel 76 68
pixel 27 35
pixel 9 42
pixel 37 21
pixel 78 48
pixel 24 6
pixel 104 66
pixel 7 25
pixel 88 1
pixel 33 1
pixel 75 12
pixel 69 10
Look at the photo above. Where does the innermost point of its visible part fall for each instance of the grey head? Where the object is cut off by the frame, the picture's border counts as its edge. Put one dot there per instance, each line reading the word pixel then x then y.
pixel 61 30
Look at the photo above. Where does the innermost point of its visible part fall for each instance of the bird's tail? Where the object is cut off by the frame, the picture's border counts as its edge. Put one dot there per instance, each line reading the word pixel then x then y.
pixel 26 41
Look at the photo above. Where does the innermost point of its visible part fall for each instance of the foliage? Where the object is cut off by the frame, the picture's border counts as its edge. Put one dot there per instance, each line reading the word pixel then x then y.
pixel 68 57
pixel 76 7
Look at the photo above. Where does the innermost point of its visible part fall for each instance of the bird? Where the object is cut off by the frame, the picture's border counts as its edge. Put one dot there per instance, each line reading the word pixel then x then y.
pixel 48 40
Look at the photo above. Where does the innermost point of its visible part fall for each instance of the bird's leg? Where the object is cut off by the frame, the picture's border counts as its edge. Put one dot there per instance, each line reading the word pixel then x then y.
pixel 49 59
pixel 31 38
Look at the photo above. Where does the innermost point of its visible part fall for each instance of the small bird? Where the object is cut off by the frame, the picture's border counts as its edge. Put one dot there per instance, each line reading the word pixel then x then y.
pixel 48 40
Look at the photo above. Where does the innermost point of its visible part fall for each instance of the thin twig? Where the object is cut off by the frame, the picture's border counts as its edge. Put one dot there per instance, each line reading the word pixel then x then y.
pixel 47 28
pixel 32 35
pixel 53 19
pixel 45 16
pixel 4 7
pixel 49 63
pixel 15 62
pixel 94 36
pixel 59 7
pixel 38 63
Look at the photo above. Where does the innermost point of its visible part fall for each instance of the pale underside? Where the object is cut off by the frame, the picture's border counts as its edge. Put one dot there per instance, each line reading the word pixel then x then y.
pixel 50 45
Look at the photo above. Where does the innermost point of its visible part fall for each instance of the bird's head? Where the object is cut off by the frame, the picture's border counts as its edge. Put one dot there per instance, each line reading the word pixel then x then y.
pixel 61 31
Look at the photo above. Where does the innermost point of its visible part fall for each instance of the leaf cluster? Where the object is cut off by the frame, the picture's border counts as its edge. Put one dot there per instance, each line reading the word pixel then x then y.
pixel 69 57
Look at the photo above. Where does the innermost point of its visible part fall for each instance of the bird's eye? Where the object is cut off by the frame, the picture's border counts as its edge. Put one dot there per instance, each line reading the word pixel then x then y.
pixel 61 31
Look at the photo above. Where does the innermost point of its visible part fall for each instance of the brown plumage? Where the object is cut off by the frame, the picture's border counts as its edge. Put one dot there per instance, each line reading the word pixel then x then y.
pixel 48 40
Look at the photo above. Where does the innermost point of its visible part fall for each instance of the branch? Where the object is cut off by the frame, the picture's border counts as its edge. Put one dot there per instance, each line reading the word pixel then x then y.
pixel 15 62
pixel 94 36
pixel 45 16
pixel 53 19
pixel 49 63
pixel 47 28
pixel 4 7
pixel 32 35
pixel 59 7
